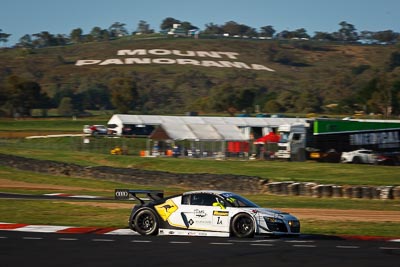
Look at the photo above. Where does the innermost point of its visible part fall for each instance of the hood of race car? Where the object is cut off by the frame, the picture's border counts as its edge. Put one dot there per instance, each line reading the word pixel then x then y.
pixel 264 212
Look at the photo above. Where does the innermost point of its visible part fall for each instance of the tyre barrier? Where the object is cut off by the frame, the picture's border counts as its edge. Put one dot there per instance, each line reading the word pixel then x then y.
pixel 333 191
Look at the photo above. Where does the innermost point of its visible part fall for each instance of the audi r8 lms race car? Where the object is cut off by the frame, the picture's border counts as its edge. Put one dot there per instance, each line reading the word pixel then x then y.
pixel 204 213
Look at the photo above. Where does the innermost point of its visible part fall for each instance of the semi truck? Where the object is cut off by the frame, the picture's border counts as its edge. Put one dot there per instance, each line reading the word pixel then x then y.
pixel 326 139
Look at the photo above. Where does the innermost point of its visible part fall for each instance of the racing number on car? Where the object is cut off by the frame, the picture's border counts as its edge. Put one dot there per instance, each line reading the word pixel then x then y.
pixel 220 218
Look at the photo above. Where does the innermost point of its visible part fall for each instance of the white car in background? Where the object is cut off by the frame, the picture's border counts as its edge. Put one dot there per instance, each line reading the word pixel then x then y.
pixel 365 156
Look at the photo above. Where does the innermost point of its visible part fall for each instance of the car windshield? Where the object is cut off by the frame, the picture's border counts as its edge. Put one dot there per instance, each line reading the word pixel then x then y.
pixel 238 201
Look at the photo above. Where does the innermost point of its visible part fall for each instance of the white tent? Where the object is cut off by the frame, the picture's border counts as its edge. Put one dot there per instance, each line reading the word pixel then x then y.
pixel 119 121
pixel 197 132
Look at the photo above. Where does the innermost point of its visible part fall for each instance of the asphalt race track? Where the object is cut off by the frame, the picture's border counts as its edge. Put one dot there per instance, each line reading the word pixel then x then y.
pixel 44 249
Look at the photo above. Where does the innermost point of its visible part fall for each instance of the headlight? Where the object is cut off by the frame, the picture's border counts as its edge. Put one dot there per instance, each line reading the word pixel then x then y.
pixel 272 220
pixel 275 224
pixel 294 223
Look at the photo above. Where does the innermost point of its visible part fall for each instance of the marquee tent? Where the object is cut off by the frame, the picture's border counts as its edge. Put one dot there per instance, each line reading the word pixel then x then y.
pixel 119 121
pixel 197 132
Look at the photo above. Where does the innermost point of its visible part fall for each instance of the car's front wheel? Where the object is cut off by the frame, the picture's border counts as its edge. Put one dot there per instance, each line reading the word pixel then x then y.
pixel 242 225
pixel 146 222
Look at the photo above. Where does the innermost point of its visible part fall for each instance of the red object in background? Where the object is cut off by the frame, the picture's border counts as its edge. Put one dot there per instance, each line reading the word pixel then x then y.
pixel 238 146
pixel 269 138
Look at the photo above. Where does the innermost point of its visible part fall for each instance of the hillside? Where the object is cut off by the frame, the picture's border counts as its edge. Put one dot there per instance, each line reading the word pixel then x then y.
pixel 229 74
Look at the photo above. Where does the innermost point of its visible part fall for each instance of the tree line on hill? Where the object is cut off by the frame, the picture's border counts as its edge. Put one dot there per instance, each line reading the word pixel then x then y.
pixel 369 88
pixel 194 90
pixel 346 33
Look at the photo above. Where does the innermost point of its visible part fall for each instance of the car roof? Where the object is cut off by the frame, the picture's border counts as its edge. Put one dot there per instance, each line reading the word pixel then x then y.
pixel 214 192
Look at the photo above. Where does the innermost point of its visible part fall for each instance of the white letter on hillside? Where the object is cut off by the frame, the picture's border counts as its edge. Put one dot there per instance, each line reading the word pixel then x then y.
pixel 112 61
pixel 238 65
pixel 209 63
pixel 187 54
pixel 260 67
pixel 87 62
pixel 160 52
pixel 133 60
pixel 183 61
pixel 131 52
pixel 231 55
pixel 208 54
pixel 164 61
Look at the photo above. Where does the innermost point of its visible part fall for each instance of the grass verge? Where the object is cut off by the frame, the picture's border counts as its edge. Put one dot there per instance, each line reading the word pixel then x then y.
pixel 86 213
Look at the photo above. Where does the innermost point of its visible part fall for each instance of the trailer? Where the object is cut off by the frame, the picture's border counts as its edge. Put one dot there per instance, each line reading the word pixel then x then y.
pixel 326 139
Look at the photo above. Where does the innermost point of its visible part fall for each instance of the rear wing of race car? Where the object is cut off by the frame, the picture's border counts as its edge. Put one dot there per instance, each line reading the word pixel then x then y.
pixel 140 195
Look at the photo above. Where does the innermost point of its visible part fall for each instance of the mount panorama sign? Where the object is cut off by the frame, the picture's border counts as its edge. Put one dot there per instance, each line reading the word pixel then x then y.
pixel 169 57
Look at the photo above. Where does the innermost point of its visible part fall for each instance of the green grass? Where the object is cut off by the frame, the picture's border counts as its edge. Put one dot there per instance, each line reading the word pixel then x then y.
pixel 50 124
pixel 323 173
pixel 70 150
pixel 67 213
pixel 388 229
pixel 45 212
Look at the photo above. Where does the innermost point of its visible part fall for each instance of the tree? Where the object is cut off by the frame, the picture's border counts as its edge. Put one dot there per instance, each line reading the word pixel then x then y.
pixel 383 97
pixel 223 99
pixel 168 23
pixel 272 106
pixel 230 98
pixel 323 36
pixel 212 28
pixel 267 31
pixel 144 27
pixel 394 60
pixel 43 39
pixel 347 32
pixel 124 95
pixel 234 28
pixel 96 97
pixel 76 35
pixel 22 96
pixel 65 108
pixel 301 33
pixel 386 36
pixel 4 37
pixel 96 33
pixel 188 26
pixel 25 41
pixel 117 29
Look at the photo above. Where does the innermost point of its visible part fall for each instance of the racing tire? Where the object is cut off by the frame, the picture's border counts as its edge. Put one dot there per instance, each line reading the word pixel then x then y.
pixel 146 222
pixel 242 226
pixel 132 222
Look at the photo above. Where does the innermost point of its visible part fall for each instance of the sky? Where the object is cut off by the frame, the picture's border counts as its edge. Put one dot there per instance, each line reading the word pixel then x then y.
pixel 20 17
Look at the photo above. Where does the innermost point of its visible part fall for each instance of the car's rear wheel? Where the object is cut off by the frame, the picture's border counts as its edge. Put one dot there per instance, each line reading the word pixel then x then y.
pixel 132 222
pixel 242 226
pixel 146 222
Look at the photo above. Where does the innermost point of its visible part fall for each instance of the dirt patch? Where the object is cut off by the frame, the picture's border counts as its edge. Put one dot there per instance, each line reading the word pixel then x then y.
pixel 103 205
pixel 5 183
pixel 22 134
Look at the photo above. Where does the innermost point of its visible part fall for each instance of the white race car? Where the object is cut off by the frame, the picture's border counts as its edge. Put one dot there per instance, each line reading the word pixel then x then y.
pixel 205 213
pixel 365 156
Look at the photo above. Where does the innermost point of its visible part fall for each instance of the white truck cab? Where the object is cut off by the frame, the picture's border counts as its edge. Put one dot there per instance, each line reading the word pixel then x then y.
pixel 292 142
